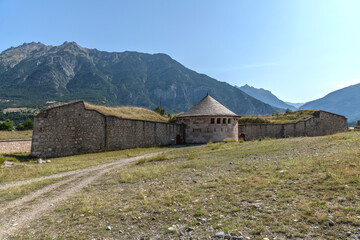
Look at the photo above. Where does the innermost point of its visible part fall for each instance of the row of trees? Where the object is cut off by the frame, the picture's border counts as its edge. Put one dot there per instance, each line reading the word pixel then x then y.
pixel 16 117
pixel 8 125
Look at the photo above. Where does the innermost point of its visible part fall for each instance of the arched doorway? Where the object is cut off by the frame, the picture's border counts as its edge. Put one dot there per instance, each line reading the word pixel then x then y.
pixel 242 137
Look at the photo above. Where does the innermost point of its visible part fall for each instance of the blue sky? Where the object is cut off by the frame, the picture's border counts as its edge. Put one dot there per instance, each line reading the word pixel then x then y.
pixel 298 49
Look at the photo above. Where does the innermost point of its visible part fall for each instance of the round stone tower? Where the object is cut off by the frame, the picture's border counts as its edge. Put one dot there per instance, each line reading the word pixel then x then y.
pixel 209 121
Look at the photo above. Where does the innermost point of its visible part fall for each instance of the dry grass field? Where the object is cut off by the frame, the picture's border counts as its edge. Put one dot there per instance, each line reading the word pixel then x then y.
pixel 299 188
pixel 4 135
pixel 27 169
pixel 286 117
pixel 129 112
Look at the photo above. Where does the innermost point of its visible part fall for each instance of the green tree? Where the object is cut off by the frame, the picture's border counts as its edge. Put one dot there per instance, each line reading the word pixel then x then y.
pixel 7 125
pixel 20 127
pixel 172 118
pixel 160 111
pixel 26 125
pixel 288 111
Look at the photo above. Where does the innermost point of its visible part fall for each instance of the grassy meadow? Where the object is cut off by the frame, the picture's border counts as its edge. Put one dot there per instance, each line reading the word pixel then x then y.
pixel 5 135
pixel 27 169
pixel 286 117
pixel 129 112
pixel 300 188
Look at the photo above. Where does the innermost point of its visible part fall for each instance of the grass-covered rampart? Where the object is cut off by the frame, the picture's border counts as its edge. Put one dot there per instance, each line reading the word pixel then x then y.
pixel 285 117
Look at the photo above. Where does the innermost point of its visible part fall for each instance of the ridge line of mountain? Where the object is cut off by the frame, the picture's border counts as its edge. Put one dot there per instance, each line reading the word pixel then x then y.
pixel 34 73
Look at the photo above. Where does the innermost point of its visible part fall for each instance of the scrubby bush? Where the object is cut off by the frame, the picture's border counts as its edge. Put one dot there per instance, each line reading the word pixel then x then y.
pixel 172 118
pixel 2 159
pixel 288 111
pixel 7 125
pixel 160 111
pixel 27 125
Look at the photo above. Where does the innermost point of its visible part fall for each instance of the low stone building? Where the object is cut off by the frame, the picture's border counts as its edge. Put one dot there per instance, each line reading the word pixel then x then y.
pixel 72 128
pixel 320 124
pixel 209 120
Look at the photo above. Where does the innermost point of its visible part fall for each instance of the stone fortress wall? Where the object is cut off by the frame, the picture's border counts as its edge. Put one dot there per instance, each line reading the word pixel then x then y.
pixel 322 123
pixel 72 129
pixel 206 129
pixel 15 146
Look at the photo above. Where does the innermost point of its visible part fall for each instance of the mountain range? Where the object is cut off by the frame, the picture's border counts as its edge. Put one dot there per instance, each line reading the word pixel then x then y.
pixel 34 74
pixel 297 105
pixel 345 101
pixel 266 96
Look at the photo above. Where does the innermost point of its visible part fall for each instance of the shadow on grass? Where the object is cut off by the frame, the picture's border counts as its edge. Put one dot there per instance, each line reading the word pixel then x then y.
pixel 17 157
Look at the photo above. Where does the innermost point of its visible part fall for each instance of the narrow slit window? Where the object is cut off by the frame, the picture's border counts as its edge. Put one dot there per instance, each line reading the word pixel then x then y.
pixel 224 120
pixel 229 120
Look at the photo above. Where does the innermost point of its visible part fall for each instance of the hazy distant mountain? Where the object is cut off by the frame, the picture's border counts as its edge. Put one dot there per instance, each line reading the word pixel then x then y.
pixel 266 97
pixel 297 105
pixel 345 102
pixel 34 73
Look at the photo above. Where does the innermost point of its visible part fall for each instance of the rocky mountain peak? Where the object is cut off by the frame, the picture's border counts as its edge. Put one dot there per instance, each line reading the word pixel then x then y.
pixel 12 56
pixel 41 73
pixel 72 47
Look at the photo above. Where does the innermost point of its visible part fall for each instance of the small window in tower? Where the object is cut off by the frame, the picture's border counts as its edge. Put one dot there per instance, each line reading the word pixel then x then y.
pixel 212 121
pixel 229 120
pixel 218 121
pixel 224 120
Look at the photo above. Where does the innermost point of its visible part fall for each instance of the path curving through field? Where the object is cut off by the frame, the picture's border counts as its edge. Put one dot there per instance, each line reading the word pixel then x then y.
pixel 16 214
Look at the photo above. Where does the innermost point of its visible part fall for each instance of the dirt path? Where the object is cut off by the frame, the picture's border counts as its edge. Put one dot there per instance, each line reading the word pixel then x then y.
pixel 16 214
pixel 69 173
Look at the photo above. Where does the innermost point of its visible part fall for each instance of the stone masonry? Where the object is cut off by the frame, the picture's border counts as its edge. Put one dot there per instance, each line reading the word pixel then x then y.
pixel 206 129
pixel 72 129
pixel 15 146
pixel 322 123
pixel 209 121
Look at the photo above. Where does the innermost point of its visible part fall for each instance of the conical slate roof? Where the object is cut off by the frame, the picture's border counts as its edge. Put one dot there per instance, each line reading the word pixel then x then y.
pixel 207 107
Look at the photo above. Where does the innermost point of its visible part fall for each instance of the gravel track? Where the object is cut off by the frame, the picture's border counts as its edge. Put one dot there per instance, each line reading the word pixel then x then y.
pixel 25 213
pixel 63 174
